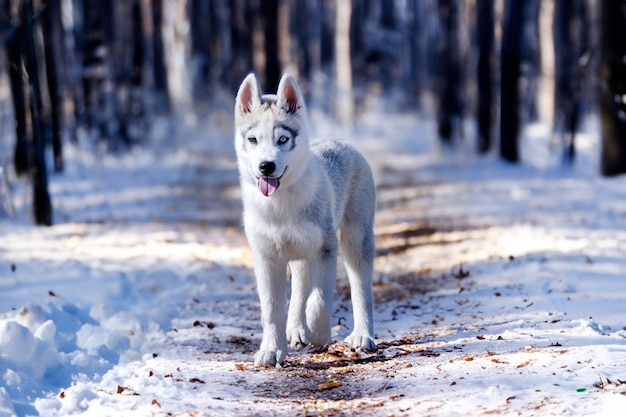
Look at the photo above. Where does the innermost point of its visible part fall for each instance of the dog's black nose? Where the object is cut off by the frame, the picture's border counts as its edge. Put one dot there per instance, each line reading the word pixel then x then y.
pixel 267 167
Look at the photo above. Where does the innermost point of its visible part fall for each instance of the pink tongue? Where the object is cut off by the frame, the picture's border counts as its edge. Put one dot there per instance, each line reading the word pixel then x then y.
pixel 268 186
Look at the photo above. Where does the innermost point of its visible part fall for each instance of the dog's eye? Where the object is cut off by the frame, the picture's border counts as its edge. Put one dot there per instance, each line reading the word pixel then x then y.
pixel 283 139
pixel 252 140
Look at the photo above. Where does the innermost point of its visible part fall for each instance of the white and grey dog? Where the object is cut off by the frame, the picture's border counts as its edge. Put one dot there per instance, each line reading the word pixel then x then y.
pixel 295 198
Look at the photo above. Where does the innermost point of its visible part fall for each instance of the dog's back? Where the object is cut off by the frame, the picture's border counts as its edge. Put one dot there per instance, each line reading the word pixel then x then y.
pixel 351 179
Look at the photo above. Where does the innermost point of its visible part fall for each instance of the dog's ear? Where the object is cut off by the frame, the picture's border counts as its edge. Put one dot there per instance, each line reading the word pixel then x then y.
pixel 289 96
pixel 248 96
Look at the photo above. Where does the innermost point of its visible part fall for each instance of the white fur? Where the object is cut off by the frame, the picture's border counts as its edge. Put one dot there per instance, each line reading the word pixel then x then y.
pixel 324 187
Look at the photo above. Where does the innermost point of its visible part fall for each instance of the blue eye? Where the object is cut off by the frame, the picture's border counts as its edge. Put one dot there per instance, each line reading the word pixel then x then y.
pixel 283 139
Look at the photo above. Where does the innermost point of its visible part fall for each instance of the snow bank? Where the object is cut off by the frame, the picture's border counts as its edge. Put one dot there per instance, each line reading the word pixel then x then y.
pixel 45 347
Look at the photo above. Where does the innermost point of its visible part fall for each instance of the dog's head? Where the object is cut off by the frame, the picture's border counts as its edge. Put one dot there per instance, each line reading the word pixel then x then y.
pixel 271 134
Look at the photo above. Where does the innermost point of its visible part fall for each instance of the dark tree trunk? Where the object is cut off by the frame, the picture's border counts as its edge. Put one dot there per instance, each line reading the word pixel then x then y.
pixel 416 51
pixel 201 37
pixel 613 87
pixel 138 56
pixel 15 47
pixel 51 20
pixel 221 44
pixel 449 62
pixel 569 44
pixel 485 26
pixel 302 27
pixel 42 207
pixel 269 13
pixel 241 37
pixel 389 25
pixel 510 67
pixel 160 72
pixel 327 35
pixel 94 71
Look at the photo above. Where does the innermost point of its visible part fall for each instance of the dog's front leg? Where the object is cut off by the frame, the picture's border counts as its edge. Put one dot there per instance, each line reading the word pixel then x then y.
pixel 271 284
pixel 296 319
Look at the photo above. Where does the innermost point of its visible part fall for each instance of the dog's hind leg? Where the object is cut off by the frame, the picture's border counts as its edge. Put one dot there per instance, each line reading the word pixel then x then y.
pixel 357 247
pixel 323 273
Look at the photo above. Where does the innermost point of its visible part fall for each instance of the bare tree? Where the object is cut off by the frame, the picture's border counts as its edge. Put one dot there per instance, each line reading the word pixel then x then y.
pixel 42 206
pixel 15 46
pixel 269 15
pixel 343 66
pixel 613 87
pixel 176 43
pixel 570 40
pixel 485 27
pixel 510 74
pixel 51 20
pixel 449 85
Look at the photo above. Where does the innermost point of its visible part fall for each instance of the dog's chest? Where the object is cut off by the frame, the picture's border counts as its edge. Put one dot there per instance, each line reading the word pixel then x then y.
pixel 288 239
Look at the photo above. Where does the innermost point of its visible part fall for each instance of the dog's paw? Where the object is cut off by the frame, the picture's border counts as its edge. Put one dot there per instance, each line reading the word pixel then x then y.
pixel 296 338
pixel 270 357
pixel 361 341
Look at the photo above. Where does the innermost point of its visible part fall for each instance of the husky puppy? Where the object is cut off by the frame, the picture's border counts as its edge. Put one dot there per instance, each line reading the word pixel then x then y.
pixel 296 197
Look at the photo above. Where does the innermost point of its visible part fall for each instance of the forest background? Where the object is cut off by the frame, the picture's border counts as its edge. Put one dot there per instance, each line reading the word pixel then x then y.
pixel 101 69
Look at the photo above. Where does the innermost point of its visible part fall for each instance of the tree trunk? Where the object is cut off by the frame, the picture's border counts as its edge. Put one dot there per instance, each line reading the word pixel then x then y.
pixel 485 27
pixel 546 57
pixel 201 38
pixel 51 19
pixel 15 47
pixel 417 52
pixel 42 207
pixel 176 40
pixel 302 27
pixel 613 87
pixel 570 45
pixel 449 62
pixel 269 14
pixel 343 67
pixel 510 67
pixel 241 37
pixel 158 54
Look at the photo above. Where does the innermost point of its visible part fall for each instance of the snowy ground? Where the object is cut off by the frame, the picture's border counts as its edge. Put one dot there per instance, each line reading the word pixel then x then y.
pixel 499 289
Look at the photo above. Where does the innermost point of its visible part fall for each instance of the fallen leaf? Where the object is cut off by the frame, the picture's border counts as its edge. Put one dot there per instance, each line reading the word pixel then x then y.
pixel 197 380
pixel 328 385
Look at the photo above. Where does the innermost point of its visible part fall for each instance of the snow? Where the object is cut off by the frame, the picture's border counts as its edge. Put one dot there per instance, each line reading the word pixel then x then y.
pixel 499 289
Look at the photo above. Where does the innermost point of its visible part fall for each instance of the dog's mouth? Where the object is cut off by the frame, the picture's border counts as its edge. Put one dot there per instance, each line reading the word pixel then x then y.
pixel 269 185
